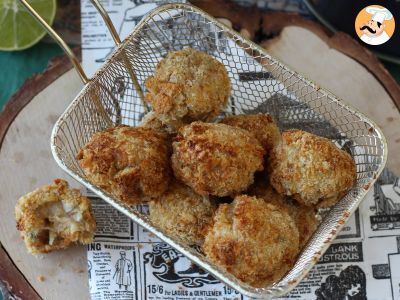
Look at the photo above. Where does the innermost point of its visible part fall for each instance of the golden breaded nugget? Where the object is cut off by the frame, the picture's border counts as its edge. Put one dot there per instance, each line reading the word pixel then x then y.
pixel 304 216
pixel 132 163
pixel 263 127
pixel 188 85
pixel 54 217
pixel 182 213
pixel 310 168
pixel 216 159
pixel 306 220
pixel 254 240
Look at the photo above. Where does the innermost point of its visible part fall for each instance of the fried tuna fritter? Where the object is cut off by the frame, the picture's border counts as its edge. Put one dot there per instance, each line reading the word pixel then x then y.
pixel 54 217
pixel 188 85
pixel 303 216
pixel 263 127
pixel 182 213
pixel 216 159
pixel 151 120
pixel 310 168
pixel 252 239
pixel 132 163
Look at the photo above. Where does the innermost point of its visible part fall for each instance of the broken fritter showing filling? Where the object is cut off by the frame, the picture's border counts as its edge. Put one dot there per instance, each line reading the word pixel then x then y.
pixel 53 217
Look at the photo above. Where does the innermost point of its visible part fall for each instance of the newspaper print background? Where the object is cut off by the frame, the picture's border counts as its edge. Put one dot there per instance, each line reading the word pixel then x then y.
pixel 126 262
pixel 97 42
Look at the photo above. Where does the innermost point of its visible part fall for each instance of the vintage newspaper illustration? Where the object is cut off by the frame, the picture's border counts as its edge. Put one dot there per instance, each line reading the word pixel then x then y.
pixel 127 262
pixel 97 43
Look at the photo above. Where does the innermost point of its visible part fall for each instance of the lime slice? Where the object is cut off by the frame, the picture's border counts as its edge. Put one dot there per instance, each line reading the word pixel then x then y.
pixel 19 30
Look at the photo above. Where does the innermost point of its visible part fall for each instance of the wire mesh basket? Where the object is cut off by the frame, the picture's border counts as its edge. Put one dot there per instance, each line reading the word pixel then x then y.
pixel 260 84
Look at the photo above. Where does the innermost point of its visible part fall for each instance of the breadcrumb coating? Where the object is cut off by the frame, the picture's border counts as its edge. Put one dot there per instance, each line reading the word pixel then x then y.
pixel 53 217
pixel 182 213
pixel 263 127
pixel 304 216
pixel 216 159
pixel 151 120
pixel 255 241
pixel 132 163
pixel 310 168
pixel 188 85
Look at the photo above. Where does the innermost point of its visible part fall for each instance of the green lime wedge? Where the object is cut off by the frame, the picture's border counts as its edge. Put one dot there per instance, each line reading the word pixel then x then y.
pixel 18 29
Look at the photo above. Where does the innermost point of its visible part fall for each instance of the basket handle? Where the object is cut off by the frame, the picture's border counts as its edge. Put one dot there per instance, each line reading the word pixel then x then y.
pixel 74 60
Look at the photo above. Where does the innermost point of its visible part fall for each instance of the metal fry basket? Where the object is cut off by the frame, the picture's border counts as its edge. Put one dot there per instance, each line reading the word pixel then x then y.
pixel 260 84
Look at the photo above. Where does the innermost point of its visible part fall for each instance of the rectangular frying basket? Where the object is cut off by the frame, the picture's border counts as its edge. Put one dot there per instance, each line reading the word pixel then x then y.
pixel 260 84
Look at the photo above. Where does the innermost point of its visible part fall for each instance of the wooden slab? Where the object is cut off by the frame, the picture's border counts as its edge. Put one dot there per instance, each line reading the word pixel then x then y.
pixel 67 22
pixel 357 77
pixel 26 163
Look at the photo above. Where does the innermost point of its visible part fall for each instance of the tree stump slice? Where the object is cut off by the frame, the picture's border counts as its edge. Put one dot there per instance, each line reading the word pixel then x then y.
pixel 26 163
pixel 351 72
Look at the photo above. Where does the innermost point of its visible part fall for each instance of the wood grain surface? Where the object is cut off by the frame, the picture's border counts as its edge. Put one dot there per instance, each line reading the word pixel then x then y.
pixel 246 20
pixel 341 65
pixel 67 22
pixel 26 123
pixel 274 23
pixel 25 164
